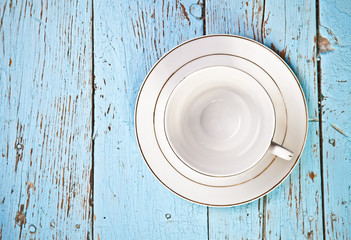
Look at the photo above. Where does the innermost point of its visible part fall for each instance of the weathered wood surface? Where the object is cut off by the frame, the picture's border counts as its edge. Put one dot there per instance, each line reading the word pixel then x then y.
pixel 45 119
pixel 294 209
pixel 244 19
pixel 69 77
pixel 129 203
pixel 335 65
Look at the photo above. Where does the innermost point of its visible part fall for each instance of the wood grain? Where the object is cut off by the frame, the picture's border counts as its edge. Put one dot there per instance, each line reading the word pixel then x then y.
pixel 129 202
pixel 334 43
pixel 294 209
pixel 244 19
pixel 45 119
pixel 69 77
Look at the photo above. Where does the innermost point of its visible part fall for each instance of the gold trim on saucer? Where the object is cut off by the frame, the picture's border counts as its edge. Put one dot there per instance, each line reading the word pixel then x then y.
pixel 306 120
pixel 215 54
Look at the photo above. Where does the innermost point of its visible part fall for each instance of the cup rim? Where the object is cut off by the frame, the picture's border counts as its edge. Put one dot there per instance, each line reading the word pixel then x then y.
pixel 208 177
pixel 186 163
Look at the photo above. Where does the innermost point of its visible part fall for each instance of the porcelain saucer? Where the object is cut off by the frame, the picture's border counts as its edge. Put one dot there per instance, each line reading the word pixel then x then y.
pixel 267 68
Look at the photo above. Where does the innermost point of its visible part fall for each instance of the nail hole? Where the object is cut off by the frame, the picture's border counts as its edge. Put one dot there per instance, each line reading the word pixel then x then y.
pixel 32 229
pixel 19 146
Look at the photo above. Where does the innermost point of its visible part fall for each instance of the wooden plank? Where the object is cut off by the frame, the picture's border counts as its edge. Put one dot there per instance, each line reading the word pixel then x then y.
pixel 235 17
pixel 244 19
pixel 335 54
pixel 45 119
pixel 294 209
pixel 129 202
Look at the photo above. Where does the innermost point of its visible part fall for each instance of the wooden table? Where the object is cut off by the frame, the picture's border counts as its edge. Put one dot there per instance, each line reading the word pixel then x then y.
pixel 70 73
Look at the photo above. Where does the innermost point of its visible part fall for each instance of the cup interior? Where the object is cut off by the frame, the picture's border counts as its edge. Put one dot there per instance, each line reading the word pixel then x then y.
pixel 219 121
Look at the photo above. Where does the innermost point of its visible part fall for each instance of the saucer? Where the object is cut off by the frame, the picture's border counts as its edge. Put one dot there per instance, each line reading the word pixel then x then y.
pixel 219 60
pixel 290 132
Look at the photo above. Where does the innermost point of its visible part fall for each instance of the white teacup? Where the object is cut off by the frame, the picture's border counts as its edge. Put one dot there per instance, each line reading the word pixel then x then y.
pixel 220 121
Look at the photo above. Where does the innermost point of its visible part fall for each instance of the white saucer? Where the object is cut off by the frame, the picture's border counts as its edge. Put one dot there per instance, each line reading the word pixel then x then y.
pixel 292 133
pixel 223 60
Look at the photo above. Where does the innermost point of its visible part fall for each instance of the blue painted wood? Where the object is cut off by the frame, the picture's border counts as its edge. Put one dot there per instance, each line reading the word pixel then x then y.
pixel 335 54
pixel 45 119
pixel 129 202
pixel 235 17
pixel 294 209
pixel 244 19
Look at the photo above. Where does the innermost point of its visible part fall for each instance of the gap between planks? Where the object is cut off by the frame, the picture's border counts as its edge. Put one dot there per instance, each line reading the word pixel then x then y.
pixel 320 112
pixel 91 201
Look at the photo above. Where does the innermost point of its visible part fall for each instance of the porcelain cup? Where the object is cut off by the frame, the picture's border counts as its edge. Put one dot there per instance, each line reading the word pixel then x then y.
pixel 220 121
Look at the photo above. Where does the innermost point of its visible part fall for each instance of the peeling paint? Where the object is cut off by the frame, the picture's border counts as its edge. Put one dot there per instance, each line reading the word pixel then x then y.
pixel 312 175
pixel 184 13
pixel 282 53
pixel 332 142
pixel 324 45
pixel 20 218
pixel 339 130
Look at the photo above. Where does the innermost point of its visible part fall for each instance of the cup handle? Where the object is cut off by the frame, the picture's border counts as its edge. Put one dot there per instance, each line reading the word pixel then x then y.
pixel 280 151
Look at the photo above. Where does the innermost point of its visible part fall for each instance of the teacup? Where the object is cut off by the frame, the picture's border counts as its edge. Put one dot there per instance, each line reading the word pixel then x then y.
pixel 220 121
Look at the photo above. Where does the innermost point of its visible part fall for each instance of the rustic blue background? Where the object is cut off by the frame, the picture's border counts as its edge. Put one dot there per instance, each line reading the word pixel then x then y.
pixel 69 77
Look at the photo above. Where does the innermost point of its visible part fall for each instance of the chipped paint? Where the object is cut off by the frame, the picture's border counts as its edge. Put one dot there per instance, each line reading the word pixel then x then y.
pixel 338 129
pixel 332 142
pixel 184 13
pixel 312 175
pixel 171 23
pixel 45 129
pixel 324 45
pixel 281 53
pixel 20 218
